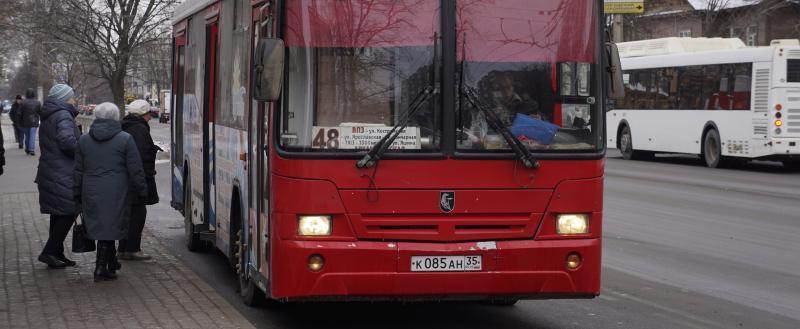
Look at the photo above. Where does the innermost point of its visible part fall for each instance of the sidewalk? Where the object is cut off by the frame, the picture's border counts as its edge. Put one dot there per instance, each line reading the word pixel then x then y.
pixel 161 293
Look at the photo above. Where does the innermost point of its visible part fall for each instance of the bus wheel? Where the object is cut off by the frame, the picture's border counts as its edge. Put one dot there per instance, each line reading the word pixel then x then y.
pixel 250 294
pixel 626 147
pixel 193 242
pixel 712 149
pixel 626 143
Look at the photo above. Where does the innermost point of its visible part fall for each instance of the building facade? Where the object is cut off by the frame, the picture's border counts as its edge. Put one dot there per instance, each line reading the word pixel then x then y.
pixel 756 22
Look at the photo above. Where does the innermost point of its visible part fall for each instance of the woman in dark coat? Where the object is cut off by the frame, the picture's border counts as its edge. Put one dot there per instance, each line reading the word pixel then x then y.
pixel 57 140
pixel 108 178
pixel 136 124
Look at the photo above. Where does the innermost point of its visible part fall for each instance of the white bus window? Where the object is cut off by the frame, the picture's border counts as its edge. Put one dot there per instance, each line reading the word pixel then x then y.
pixel 691 84
pixel 793 70
pixel 709 87
pixel 743 74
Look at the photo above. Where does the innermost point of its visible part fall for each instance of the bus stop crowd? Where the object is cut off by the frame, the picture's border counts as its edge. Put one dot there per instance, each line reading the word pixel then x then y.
pixel 105 177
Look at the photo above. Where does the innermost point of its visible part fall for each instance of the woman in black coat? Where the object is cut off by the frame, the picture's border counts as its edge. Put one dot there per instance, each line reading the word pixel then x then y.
pixel 136 124
pixel 108 178
pixel 58 139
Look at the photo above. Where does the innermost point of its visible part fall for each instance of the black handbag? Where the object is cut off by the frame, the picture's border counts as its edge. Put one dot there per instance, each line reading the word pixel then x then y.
pixel 80 241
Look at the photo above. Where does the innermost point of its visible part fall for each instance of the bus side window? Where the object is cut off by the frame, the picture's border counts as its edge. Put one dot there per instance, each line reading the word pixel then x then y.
pixel 712 97
pixel 663 83
pixel 741 86
pixel 691 87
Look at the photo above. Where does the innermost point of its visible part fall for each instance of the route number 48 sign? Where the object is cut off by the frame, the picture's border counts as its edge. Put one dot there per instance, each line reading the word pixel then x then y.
pixel 362 137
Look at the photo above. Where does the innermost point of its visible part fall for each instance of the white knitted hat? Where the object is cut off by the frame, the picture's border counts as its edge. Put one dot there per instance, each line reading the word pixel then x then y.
pixel 139 107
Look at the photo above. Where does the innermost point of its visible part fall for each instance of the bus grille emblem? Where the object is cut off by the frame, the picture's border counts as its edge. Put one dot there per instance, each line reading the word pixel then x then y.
pixel 447 201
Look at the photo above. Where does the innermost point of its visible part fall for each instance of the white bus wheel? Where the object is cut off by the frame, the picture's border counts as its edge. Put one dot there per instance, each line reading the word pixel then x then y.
pixel 626 147
pixel 712 149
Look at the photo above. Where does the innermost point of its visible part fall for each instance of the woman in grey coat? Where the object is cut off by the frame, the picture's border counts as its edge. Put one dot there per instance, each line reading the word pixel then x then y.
pixel 108 177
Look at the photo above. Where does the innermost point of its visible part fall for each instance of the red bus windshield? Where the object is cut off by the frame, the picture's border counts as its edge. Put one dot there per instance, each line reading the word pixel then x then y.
pixel 356 66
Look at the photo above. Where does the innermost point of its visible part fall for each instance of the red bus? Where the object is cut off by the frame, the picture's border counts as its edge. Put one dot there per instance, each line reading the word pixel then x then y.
pixel 393 149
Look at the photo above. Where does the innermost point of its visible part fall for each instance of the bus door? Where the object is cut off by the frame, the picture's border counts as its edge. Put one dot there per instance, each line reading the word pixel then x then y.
pixel 210 105
pixel 258 141
pixel 176 99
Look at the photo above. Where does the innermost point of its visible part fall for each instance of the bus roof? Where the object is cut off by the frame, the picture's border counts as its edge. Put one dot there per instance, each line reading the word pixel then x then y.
pixel 742 55
pixel 673 45
pixel 188 8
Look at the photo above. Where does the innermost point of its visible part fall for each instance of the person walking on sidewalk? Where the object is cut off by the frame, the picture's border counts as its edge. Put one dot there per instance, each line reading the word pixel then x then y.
pixel 16 117
pixel 2 153
pixel 29 121
pixel 136 124
pixel 108 177
pixel 58 141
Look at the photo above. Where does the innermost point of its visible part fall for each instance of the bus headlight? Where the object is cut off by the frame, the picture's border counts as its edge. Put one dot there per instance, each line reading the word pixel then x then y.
pixel 571 224
pixel 314 225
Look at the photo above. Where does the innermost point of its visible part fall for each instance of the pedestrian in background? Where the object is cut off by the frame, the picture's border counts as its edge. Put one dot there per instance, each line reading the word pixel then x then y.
pixel 136 124
pixel 57 141
pixel 16 117
pixel 108 177
pixel 29 121
pixel 2 153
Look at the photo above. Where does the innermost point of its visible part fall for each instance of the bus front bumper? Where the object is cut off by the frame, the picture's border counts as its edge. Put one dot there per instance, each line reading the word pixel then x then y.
pixel 525 269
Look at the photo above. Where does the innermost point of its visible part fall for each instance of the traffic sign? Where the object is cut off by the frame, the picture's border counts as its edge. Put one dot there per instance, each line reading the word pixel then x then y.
pixel 623 6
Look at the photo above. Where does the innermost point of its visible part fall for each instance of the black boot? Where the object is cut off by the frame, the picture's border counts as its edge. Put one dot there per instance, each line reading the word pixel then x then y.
pixel 66 260
pixel 101 272
pixel 51 261
pixel 113 262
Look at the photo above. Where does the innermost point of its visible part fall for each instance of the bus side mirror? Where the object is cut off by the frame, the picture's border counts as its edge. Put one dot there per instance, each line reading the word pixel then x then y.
pixel 616 87
pixel 268 70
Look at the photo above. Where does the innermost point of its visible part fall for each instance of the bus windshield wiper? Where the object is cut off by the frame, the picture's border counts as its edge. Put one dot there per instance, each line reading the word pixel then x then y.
pixel 376 152
pixel 516 145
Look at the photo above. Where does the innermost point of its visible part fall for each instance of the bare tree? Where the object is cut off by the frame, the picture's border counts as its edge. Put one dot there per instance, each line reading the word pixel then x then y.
pixel 711 14
pixel 152 61
pixel 109 31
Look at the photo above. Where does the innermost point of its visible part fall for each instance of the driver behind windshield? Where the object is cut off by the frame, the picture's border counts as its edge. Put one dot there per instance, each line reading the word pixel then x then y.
pixel 506 102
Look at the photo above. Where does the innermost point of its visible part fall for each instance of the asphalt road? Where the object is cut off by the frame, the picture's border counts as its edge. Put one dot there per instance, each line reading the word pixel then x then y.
pixel 684 247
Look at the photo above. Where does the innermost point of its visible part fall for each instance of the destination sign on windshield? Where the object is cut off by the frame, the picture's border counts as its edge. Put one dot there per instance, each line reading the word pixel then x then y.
pixel 362 137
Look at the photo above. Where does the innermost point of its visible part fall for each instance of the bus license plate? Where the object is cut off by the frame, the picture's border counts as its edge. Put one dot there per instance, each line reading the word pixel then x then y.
pixel 445 263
